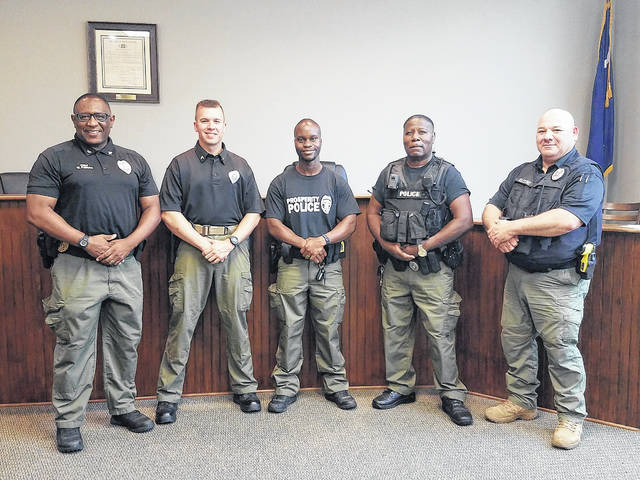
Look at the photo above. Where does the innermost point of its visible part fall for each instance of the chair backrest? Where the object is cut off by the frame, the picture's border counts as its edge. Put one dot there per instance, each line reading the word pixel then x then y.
pixel 14 183
pixel 621 213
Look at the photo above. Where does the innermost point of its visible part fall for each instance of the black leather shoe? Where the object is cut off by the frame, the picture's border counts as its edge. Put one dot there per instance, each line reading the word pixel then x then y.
pixel 249 402
pixel 342 399
pixel 134 421
pixel 279 403
pixel 456 410
pixel 69 440
pixel 166 412
pixel 390 398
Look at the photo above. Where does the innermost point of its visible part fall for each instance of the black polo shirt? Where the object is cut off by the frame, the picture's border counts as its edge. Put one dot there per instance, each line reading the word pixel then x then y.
pixel 97 191
pixel 210 189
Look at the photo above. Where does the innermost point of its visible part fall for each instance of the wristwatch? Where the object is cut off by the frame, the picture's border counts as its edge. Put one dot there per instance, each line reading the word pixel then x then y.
pixel 421 251
pixel 234 240
pixel 326 238
pixel 84 241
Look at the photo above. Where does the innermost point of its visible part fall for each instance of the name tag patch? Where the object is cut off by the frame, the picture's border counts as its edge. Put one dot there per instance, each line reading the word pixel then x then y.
pixel 526 181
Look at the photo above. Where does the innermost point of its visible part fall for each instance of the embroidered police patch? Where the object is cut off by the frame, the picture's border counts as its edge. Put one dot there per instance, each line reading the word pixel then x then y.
pixel 124 166
pixel 558 174
pixel 234 175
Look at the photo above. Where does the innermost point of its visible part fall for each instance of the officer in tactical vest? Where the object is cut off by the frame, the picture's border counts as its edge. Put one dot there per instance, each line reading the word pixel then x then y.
pixel 311 210
pixel 546 217
pixel 419 209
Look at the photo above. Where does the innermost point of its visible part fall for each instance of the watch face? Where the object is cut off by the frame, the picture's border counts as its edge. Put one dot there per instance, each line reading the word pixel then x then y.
pixel 233 239
pixel 84 241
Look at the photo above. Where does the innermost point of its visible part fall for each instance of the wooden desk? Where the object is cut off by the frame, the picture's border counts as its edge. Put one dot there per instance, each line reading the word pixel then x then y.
pixel 610 334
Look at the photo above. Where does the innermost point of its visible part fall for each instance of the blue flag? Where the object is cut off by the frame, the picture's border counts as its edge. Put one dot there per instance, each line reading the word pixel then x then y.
pixel 600 147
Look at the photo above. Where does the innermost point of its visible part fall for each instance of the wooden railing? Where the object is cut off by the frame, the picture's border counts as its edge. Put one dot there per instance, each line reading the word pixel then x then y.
pixel 610 334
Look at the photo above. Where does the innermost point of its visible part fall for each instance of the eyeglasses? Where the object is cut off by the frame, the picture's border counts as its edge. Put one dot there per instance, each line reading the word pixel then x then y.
pixel 84 117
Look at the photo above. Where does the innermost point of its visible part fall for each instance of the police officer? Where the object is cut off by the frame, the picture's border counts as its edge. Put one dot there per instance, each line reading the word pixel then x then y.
pixel 311 209
pixel 210 201
pixel 85 193
pixel 546 217
pixel 419 208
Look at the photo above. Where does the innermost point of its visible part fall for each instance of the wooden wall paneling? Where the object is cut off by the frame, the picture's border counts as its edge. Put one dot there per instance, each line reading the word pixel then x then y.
pixel 362 343
pixel 480 283
pixel 155 276
pixel 610 334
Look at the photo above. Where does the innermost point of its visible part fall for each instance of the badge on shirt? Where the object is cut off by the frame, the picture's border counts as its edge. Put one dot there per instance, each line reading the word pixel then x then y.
pixel 558 174
pixel 234 175
pixel 325 204
pixel 124 166
pixel 84 166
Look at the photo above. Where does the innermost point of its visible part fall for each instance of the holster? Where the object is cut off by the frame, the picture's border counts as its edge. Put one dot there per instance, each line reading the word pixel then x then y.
pixel 586 273
pixel 381 253
pixel 48 247
pixel 286 253
pixel 137 252
pixel 452 254
pixel 274 255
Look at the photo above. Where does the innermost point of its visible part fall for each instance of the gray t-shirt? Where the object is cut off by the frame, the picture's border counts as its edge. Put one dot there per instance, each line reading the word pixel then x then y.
pixel 310 205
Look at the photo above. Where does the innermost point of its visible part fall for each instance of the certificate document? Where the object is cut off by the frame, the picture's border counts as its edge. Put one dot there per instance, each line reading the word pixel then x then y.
pixel 123 62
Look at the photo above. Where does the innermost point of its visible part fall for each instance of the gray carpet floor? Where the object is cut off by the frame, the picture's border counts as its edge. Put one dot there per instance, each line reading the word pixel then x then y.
pixel 312 440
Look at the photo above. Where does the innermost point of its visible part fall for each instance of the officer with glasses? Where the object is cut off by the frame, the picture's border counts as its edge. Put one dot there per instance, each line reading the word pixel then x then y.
pixel 97 202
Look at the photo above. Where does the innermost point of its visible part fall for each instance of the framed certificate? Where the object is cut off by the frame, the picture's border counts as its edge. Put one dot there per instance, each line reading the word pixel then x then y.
pixel 123 61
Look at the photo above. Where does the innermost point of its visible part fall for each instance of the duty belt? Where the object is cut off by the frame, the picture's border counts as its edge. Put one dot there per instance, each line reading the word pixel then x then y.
pixel 545 268
pixel 214 229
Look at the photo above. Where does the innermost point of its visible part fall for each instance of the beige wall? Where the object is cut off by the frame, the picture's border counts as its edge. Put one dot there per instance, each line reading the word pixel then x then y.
pixel 623 184
pixel 484 71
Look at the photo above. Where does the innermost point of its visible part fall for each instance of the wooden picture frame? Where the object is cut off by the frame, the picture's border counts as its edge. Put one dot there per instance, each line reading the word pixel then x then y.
pixel 123 61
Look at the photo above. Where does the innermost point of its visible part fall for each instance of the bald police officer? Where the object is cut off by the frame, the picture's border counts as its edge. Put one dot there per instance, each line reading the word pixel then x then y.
pixel 210 201
pixel 86 194
pixel 543 218
pixel 311 209
pixel 419 208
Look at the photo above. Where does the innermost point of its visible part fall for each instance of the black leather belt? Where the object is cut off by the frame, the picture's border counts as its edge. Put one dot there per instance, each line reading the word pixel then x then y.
pixel 546 268
pixel 78 252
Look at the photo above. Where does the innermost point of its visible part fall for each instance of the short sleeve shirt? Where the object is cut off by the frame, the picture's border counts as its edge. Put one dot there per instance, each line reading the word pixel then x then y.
pixel 310 205
pixel 97 191
pixel 210 189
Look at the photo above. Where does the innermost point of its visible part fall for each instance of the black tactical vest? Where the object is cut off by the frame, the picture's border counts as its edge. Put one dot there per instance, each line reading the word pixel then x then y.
pixel 532 194
pixel 414 212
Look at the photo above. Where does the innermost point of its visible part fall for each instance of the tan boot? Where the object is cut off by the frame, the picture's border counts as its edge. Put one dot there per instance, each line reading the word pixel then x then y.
pixel 567 434
pixel 508 412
